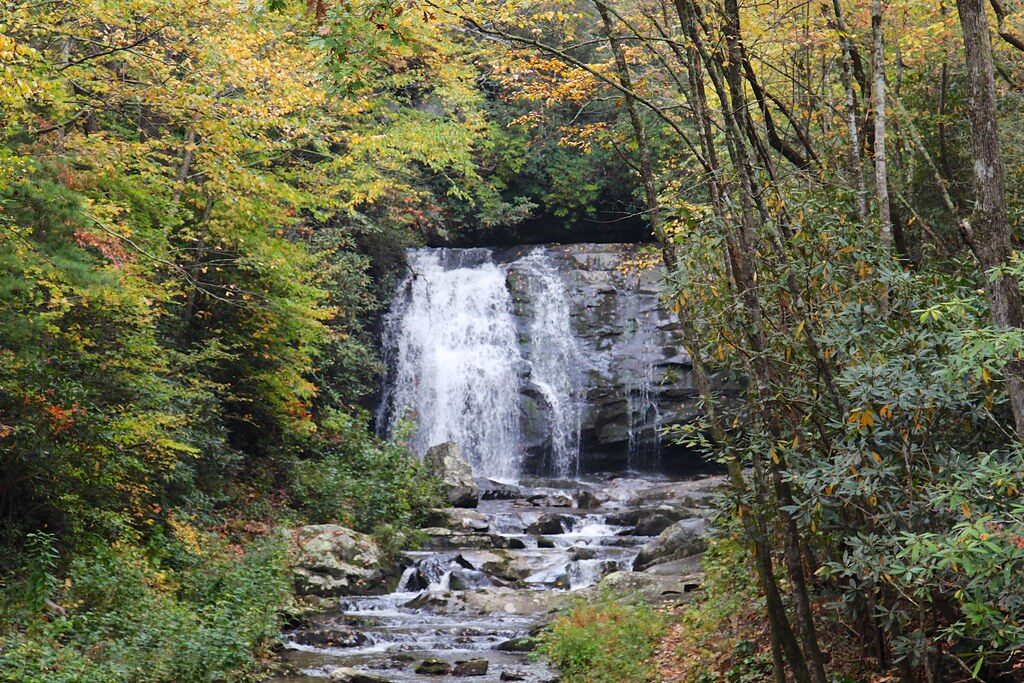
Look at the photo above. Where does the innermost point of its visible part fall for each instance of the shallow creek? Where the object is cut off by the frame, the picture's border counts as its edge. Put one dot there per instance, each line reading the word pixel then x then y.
pixel 487 578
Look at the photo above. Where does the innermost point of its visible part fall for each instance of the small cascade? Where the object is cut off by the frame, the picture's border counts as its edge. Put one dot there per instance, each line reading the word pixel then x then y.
pixel 557 361
pixel 451 339
pixel 468 596
pixel 640 389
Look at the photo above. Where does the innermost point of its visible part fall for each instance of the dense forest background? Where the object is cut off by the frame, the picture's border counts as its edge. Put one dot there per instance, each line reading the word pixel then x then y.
pixel 203 204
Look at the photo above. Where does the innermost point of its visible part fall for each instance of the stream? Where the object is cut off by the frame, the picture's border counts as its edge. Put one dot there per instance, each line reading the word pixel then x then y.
pixel 494 577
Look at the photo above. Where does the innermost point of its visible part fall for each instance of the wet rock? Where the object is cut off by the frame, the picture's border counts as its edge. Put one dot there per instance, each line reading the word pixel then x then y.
pixel 446 462
pixel 683 539
pixel 441 600
pixel 617 318
pixel 545 542
pixel 589 500
pixel 495 563
pixel 468 579
pixel 509 675
pixel 331 560
pixel 331 636
pixel 550 523
pixel 583 552
pixel 627 517
pixel 522 644
pixel 496 490
pixel 457 541
pixel 549 579
pixel 433 667
pixel 471 667
pixel 346 674
pixel 651 522
pixel 416 580
pixel 512 601
pixel 458 519
pixel 558 499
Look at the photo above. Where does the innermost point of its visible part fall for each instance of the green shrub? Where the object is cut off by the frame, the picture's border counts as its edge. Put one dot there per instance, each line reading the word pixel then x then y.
pixel 360 481
pixel 117 617
pixel 607 641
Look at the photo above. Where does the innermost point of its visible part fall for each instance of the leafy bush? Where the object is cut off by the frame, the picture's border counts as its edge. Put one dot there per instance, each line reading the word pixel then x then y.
pixel 360 481
pixel 118 617
pixel 608 641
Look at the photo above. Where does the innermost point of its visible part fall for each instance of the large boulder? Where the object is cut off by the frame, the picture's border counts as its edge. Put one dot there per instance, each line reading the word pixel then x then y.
pixel 493 562
pixel 346 674
pixel 524 602
pixel 446 462
pixel 331 636
pixel 331 560
pixel 650 587
pixel 445 539
pixel 433 667
pixel 471 667
pixel 648 521
pixel 550 524
pixel 683 539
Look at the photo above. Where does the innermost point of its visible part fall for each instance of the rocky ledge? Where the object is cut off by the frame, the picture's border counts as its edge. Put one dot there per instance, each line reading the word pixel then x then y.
pixel 637 371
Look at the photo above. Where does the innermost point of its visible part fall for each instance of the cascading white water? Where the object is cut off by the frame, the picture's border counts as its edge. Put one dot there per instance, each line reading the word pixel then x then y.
pixel 452 342
pixel 557 361
pixel 516 359
pixel 459 367
pixel 643 415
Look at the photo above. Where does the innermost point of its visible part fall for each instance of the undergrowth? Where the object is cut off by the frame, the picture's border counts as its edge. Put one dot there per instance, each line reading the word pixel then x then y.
pixel 209 612
pixel 609 640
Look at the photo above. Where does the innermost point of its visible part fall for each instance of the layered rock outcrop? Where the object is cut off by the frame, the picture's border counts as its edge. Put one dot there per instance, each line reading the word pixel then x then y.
pixel 637 373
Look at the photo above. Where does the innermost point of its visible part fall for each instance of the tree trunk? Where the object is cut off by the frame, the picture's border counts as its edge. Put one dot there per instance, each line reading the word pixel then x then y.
pixel 726 75
pixel 639 132
pixel 881 170
pixel 988 231
pixel 854 155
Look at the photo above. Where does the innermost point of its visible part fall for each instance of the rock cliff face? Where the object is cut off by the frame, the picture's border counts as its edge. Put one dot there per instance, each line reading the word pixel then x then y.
pixel 637 373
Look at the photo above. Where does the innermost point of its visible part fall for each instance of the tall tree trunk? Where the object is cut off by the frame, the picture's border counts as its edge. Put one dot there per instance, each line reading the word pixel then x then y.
pixel 852 129
pixel 808 664
pixel 639 132
pixel 782 636
pixel 881 170
pixel 988 231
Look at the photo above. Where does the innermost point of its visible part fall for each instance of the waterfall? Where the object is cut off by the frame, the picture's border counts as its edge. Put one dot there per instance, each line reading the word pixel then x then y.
pixel 557 362
pixel 528 357
pixel 451 339
pixel 639 345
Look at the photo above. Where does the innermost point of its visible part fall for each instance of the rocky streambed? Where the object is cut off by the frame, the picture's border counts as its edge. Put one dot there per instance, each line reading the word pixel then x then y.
pixel 462 607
